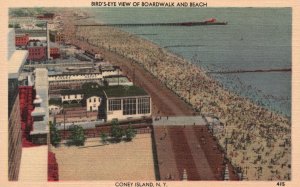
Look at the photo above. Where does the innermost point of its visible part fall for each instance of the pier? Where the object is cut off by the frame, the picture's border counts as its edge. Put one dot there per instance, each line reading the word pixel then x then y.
pixel 202 23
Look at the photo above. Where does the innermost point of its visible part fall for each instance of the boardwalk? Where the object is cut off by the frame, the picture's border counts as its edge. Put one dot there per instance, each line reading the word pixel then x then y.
pixel 191 148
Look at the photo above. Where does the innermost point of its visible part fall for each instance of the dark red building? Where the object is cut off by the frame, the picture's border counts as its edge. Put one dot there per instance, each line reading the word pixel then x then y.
pixel 46 16
pixel 36 50
pixel 54 52
pixel 21 39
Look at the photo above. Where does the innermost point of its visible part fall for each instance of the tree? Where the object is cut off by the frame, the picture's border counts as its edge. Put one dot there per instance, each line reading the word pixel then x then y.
pixel 54 134
pixel 116 131
pixel 103 137
pixel 77 136
pixel 130 133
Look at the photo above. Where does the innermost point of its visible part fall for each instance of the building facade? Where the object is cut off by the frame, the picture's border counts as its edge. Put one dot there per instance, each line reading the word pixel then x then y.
pixel 16 60
pixel 21 40
pixel 37 50
pixel 54 52
pixel 57 37
pixel 127 102
pixel 40 113
pixel 93 103
pixel 120 102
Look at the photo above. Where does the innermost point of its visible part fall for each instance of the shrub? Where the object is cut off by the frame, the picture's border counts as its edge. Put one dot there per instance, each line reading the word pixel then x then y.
pixel 77 136
pixel 54 134
pixel 130 133
pixel 116 131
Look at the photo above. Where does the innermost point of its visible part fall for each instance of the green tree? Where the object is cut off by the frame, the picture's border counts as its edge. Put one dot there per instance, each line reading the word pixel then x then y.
pixel 54 134
pixel 77 136
pixel 116 131
pixel 103 137
pixel 130 133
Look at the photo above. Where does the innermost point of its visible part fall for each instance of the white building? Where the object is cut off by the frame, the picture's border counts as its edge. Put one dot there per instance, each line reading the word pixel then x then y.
pixel 127 102
pixel 71 97
pixel 112 102
pixel 54 109
pixel 40 113
pixel 93 103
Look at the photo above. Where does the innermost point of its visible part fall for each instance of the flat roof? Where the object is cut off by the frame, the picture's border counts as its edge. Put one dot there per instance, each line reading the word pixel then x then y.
pixel 41 77
pixel 34 164
pixel 112 79
pixel 15 63
pixel 124 91
pixel 72 91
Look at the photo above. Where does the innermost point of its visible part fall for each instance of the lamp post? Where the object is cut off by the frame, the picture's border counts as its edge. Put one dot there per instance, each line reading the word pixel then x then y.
pixel 64 124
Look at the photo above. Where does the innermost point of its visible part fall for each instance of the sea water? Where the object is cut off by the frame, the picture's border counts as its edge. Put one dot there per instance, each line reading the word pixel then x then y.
pixel 254 39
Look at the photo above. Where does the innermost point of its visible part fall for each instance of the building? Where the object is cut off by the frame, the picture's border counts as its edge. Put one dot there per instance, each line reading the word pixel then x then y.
pixel 111 102
pixel 92 103
pixel 89 96
pixel 21 40
pixel 57 37
pixel 40 113
pixel 93 55
pixel 54 50
pixel 46 16
pixel 16 60
pixel 126 102
pixel 82 75
pixel 37 50
pixel 55 106
pixel 115 80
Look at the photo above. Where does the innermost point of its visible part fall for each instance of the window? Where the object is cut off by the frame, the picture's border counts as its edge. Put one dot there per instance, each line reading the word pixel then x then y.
pixel 144 105
pixel 38 118
pixel 75 96
pixel 68 96
pixel 94 100
pixel 114 104
pixel 90 100
pixel 129 106
pixel 64 97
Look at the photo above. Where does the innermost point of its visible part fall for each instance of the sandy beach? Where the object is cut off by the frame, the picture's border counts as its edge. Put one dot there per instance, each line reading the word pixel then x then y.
pixel 258 140
pixel 95 161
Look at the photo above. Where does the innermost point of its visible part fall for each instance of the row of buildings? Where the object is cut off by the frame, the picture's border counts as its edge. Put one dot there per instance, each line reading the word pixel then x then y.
pixel 93 91
pixel 27 110
pixel 37 46
pixel 41 43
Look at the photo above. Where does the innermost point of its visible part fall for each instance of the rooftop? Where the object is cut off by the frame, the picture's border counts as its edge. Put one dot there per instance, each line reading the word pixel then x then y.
pixel 32 33
pixel 117 78
pixel 53 101
pixel 16 62
pixel 36 167
pixel 124 91
pixel 41 75
pixel 36 43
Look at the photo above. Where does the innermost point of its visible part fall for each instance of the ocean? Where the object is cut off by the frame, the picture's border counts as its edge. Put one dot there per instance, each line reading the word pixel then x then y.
pixel 254 39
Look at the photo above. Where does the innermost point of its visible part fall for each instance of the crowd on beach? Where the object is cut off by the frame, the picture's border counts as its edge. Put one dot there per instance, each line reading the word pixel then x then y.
pixel 256 140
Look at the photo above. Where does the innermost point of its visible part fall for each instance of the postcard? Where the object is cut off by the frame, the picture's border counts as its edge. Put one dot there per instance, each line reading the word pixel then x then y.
pixel 150 93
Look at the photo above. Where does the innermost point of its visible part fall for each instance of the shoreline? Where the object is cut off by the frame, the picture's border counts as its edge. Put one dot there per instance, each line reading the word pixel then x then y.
pixel 256 94
pixel 238 114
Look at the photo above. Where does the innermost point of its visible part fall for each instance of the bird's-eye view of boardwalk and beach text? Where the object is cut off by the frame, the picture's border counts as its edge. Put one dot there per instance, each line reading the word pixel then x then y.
pixel 145 94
